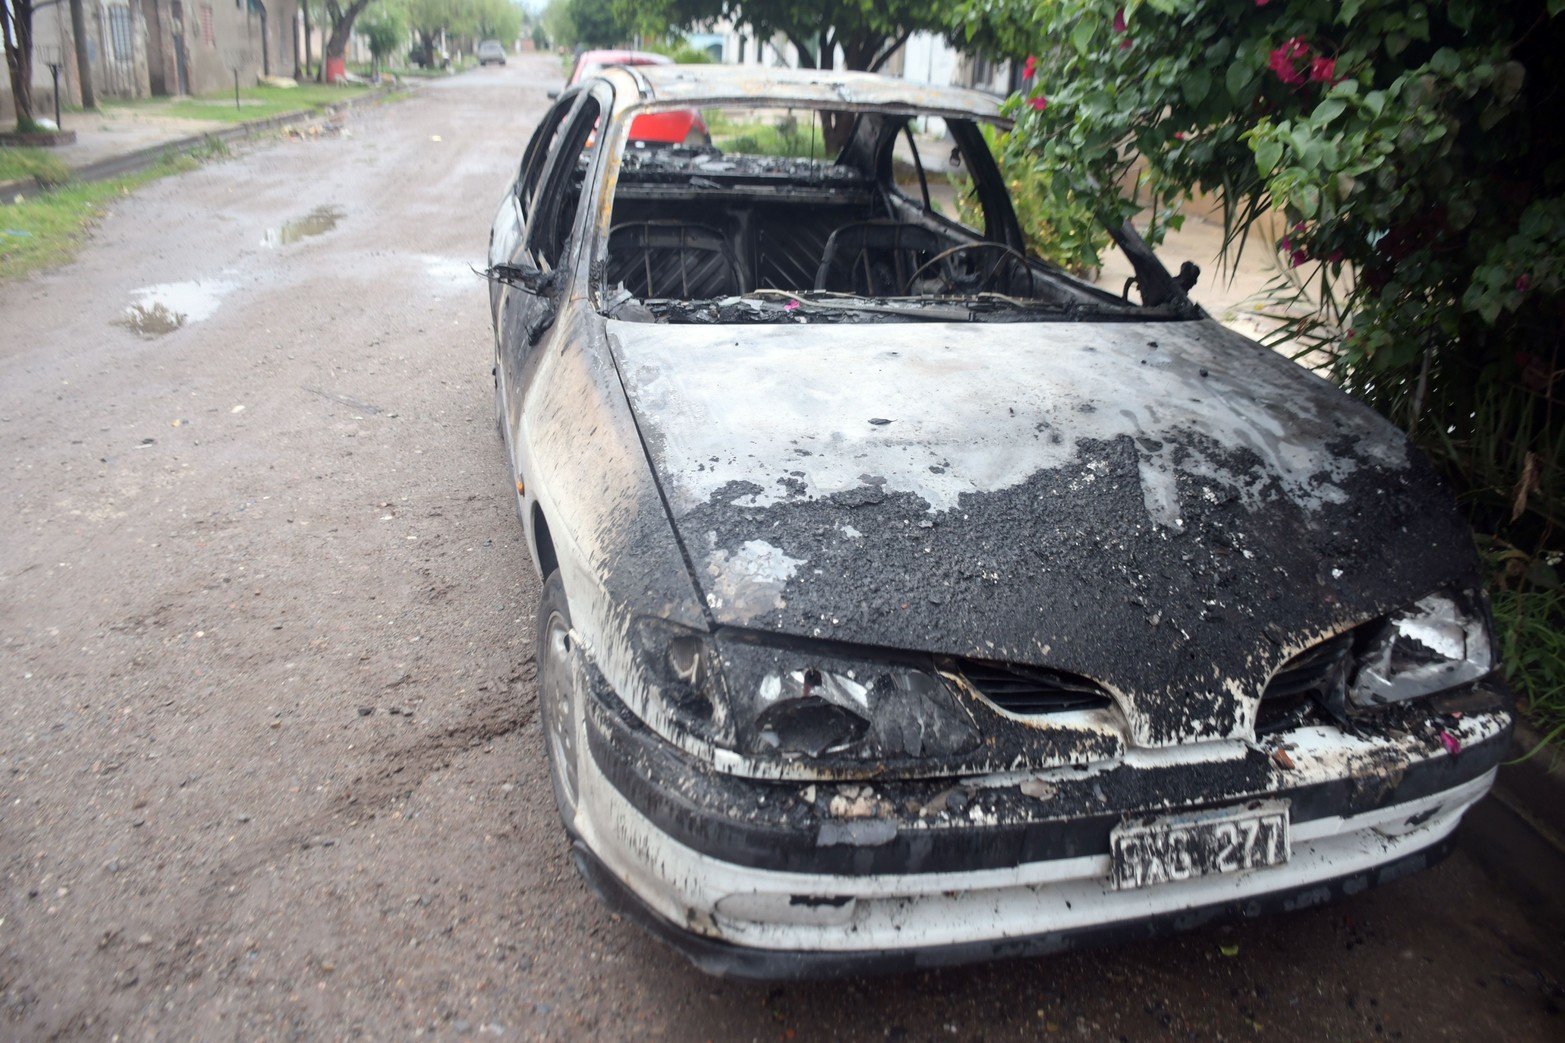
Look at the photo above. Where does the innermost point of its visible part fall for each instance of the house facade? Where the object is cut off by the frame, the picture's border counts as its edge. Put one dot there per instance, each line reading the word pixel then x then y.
pixel 148 48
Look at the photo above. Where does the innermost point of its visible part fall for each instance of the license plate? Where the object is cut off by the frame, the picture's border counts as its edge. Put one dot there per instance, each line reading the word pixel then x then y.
pixel 1160 849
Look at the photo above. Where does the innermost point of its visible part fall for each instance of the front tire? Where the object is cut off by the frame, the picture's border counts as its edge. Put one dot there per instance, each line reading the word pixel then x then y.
pixel 557 696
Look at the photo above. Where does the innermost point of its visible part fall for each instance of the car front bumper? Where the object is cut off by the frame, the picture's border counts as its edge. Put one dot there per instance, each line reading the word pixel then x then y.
pixel 781 880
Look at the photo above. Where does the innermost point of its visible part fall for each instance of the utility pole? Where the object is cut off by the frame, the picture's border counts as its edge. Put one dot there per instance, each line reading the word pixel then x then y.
pixel 83 64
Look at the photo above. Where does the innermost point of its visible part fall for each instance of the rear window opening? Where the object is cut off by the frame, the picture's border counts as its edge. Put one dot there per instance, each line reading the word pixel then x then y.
pixel 767 214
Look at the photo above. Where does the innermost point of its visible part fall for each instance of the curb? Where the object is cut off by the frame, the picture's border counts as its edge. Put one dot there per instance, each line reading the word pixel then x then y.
pixel 1534 789
pixel 131 162
pixel 1516 835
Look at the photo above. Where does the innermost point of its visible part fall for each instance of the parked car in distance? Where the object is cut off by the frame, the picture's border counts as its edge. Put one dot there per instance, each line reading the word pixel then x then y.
pixel 491 51
pixel 908 601
pixel 668 127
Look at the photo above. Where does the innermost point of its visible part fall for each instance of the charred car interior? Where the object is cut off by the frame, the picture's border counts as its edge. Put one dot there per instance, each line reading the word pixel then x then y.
pixel 718 233
pixel 908 601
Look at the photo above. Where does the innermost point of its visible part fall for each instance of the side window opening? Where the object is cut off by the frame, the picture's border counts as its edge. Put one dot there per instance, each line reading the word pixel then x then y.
pixel 558 198
pixel 538 152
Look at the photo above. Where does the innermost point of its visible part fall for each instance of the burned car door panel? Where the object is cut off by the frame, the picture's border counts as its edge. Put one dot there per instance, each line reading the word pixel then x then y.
pixel 926 602
pixel 538 271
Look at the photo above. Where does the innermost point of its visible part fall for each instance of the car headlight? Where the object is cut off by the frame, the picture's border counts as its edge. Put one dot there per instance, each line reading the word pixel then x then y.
pixel 1440 642
pixel 771 701
pixel 804 702
pixel 679 664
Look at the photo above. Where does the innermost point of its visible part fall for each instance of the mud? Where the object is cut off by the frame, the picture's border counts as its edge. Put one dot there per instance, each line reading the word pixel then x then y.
pixel 202 836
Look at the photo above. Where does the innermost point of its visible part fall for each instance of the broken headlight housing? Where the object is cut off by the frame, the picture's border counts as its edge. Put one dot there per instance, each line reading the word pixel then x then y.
pixel 771 701
pixel 678 662
pixel 1440 642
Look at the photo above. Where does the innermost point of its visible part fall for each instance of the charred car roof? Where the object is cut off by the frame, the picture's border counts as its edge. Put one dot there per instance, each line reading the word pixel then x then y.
pixel 823 88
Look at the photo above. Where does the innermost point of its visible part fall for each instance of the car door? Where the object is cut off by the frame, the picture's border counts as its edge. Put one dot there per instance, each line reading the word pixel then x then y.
pixel 552 189
pixel 509 229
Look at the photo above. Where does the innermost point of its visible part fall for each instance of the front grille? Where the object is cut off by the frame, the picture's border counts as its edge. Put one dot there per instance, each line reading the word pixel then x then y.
pixel 1312 680
pixel 1030 690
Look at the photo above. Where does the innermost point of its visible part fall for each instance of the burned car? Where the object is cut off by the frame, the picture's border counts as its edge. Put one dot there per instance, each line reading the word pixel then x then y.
pixel 908 601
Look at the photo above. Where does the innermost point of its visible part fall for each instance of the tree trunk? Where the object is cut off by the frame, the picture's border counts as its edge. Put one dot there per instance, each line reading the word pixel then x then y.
pixel 83 63
pixel 19 59
pixel 309 47
pixel 342 26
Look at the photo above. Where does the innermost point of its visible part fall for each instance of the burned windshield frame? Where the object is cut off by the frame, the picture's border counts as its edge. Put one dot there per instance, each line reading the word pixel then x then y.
pixel 676 257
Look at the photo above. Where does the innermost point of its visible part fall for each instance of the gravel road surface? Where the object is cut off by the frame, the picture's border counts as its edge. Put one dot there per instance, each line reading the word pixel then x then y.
pixel 269 762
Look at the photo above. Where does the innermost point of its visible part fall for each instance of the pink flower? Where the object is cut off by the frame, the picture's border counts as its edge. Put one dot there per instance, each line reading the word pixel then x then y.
pixel 1323 70
pixel 1523 283
pixel 1452 744
pixel 1283 60
pixel 1124 45
pixel 1297 258
pixel 1029 67
pixel 1038 102
pixel 1336 257
pixel 1262 3
pixel 1282 66
pixel 791 306
pixel 1119 21
pixel 1179 135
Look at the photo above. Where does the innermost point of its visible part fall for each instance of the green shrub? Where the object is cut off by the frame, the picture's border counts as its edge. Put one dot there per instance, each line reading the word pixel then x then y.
pixel 1060 225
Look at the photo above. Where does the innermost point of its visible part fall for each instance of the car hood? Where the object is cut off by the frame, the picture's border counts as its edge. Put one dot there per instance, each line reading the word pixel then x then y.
pixel 1166 508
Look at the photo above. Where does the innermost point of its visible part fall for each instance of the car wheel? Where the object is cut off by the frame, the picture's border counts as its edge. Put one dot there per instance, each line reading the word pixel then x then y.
pixel 556 698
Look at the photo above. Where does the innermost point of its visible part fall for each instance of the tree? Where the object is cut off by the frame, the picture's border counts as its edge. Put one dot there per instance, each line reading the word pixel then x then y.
pixel 497 20
pixel 1416 154
pixel 382 30
pixel 587 23
pixel 427 19
pixel 83 55
pixel 866 32
pixel 17 28
pixel 341 19
pixel 309 58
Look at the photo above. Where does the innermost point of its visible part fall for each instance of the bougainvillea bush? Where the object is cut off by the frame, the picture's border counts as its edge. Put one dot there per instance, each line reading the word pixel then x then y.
pixel 1416 151
pixel 1417 154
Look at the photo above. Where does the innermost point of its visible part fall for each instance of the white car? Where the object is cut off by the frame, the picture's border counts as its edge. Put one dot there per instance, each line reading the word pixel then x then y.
pixel 491 51
pixel 908 601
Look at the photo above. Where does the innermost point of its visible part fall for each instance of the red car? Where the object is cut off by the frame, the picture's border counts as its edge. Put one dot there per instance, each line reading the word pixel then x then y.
pixel 676 127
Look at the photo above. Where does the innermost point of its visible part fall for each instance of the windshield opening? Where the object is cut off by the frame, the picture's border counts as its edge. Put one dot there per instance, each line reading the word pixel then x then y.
pixel 798 214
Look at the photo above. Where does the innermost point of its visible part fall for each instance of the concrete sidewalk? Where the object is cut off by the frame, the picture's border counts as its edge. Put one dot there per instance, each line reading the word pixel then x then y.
pixel 119 139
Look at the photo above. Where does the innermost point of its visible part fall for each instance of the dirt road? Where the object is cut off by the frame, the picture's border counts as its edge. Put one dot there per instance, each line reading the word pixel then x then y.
pixel 269 764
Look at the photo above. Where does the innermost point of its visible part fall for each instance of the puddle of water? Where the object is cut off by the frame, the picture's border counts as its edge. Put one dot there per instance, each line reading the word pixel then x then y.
pixel 317 222
pixel 162 309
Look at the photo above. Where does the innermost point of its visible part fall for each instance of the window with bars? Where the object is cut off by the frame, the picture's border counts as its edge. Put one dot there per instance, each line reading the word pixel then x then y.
pixel 120 36
pixel 207 36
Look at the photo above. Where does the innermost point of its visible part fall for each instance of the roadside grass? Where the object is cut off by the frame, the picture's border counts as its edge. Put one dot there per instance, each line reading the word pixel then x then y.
pixel 17 163
pixel 461 64
pixel 46 231
pixel 1531 628
pixel 254 103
